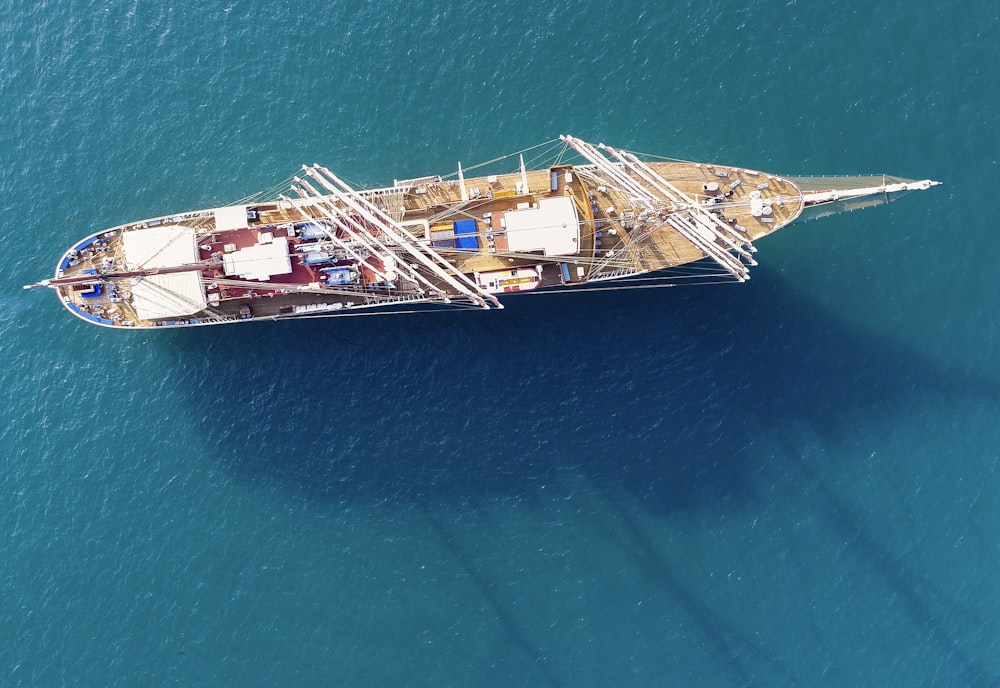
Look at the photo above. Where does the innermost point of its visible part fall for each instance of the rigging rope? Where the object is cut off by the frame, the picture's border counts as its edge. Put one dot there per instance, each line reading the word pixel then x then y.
pixel 502 157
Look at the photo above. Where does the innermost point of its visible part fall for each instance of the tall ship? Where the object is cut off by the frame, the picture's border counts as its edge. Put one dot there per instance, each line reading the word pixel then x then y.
pixel 578 216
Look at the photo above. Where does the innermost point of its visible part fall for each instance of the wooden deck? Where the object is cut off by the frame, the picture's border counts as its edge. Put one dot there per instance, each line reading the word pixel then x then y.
pixel 617 234
pixel 603 213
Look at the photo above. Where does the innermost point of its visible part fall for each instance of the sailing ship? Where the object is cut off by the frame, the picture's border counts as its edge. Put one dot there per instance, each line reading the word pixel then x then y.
pixel 578 216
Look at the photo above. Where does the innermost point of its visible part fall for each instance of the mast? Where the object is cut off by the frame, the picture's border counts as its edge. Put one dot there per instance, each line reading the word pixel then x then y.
pixel 332 235
pixel 350 227
pixel 614 173
pixel 430 258
pixel 706 219
pixel 56 282
pixel 676 209
pixel 461 182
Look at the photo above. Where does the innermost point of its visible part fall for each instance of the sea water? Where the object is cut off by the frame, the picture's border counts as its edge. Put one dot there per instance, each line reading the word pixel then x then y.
pixel 787 482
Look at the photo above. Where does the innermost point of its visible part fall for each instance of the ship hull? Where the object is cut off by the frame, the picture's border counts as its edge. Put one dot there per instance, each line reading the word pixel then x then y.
pixel 610 220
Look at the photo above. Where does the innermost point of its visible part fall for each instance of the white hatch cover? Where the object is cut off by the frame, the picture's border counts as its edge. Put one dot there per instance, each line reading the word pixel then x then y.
pixel 168 295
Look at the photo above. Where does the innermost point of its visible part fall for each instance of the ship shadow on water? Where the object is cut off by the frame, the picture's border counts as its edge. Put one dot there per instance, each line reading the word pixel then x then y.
pixel 663 392
pixel 656 398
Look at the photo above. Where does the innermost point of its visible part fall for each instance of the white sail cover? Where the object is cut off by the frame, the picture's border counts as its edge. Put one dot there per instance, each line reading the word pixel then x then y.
pixel 169 295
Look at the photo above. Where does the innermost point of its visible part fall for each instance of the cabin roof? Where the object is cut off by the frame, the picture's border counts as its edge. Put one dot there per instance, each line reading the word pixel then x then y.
pixel 551 227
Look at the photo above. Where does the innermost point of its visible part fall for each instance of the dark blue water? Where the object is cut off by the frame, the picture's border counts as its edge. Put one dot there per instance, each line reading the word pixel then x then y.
pixel 789 482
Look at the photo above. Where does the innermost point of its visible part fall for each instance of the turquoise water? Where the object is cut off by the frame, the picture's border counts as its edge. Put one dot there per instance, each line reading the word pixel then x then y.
pixel 788 482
